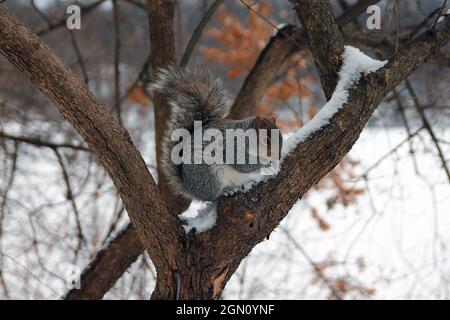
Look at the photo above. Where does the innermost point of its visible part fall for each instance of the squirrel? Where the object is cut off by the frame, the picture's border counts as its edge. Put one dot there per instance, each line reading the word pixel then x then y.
pixel 196 98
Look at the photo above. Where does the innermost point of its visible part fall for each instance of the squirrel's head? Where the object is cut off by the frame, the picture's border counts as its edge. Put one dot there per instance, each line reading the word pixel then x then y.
pixel 272 138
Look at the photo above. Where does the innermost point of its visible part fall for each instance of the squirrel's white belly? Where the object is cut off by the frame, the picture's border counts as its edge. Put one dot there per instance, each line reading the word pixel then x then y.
pixel 234 178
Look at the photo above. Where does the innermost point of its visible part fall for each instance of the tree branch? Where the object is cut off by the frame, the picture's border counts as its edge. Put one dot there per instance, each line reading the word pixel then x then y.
pixel 105 138
pixel 62 22
pixel 278 49
pixel 324 38
pixel 247 219
pixel 108 265
pixel 276 52
pixel 198 32
pixel 39 143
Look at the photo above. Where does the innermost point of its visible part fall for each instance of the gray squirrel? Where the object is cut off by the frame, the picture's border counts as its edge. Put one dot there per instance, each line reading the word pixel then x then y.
pixel 196 97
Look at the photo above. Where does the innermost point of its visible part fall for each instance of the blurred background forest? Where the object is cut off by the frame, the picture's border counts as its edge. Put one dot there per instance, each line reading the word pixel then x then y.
pixel 375 227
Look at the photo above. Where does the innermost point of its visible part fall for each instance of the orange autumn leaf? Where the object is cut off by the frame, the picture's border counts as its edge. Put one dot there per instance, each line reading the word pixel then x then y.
pixel 138 96
pixel 233 73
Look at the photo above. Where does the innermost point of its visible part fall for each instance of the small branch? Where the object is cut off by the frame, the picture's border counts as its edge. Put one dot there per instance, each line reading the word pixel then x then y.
pixel 428 127
pixel 117 104
pixel 198 32
pixel 402 112
pixel 41 14
pixel 142 77
pixel 108 265
pixel 71 198
pixel 39 143
pixel 441 13
pixel 4 200
pixel 278 49
pixel 62 22
pixel 324 39
pixel 336 294
pixel 80 60
pixel 393 150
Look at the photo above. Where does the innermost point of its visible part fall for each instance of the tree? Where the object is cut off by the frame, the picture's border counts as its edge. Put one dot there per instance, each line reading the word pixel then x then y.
pixel 198 266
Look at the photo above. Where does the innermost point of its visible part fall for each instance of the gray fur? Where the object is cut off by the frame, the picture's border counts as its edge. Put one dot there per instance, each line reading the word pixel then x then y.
pixel 195 95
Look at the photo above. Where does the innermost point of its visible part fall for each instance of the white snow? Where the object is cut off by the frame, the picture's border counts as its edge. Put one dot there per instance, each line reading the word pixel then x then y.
pixel 278 28
pixel 397 238
pixel 203 215
pixel 354 64
pixel 264 174
pixel 441 18
pixel 200 215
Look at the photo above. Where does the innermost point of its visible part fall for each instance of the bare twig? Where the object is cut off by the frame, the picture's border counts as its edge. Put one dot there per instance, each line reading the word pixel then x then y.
pixel 40 143
pixel 62 22
pixel 428 127
pixel 390 152
pixel 41 14
pixel 71 198
pixel 198 32
pixel 117 104
pixel 80 59
pixel 4 200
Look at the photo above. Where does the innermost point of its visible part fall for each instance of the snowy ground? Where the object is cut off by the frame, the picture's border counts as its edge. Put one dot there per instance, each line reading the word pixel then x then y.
pixel 399 227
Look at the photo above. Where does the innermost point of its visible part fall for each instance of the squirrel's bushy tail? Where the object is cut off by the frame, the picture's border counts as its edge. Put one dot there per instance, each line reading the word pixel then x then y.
pixel 193 95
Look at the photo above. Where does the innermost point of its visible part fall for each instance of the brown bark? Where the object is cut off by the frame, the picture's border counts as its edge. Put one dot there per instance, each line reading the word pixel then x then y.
pixel 199 266
pixel 324 38
pixel 278 49
pixel 108 266
pixel 105 138
pixel 162 43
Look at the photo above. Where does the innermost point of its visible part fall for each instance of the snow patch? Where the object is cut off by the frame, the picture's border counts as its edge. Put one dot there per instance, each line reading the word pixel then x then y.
pixel 441 18
pixel 278 28
pixel 264 174
pixel 200 215
pixel 354 64
pixel 203 215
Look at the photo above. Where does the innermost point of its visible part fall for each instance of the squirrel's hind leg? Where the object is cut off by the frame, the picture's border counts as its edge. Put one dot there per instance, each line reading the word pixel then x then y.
pixel 203 181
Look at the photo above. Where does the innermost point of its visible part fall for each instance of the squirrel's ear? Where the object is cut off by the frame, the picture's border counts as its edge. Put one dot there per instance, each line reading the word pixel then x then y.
pixel 257 122
pixel 273 120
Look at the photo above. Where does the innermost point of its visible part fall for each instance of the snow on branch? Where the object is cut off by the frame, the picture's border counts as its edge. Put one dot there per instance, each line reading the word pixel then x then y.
pixel 354 64
pixel 202 216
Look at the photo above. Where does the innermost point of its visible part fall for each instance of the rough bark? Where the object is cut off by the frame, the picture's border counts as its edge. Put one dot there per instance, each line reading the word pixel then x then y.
pixel 162 43
pixel 108 266
pixel 278 49
pixel 324 38
pixel 106 139
pixel 269 61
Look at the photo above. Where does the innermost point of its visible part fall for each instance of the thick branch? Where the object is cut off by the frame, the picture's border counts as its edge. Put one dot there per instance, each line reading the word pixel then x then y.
pixel 105 138
pixel 162 42
pixel 247 219
pixel 278 49
pixel 108 266
pixel 324 39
